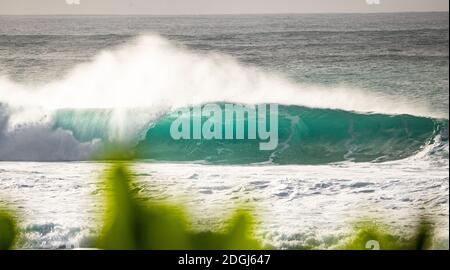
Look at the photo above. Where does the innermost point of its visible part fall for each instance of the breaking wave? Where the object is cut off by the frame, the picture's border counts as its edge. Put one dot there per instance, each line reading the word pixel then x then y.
pixel 126 95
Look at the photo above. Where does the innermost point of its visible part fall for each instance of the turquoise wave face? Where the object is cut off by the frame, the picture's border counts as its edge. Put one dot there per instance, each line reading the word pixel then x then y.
pixel 85 125
pixel 306 136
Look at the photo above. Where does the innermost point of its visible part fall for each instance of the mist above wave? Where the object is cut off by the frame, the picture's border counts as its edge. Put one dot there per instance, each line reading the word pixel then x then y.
pixel 151 71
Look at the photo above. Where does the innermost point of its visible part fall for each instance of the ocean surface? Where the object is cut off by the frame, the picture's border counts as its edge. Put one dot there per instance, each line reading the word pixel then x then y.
pixel 363 120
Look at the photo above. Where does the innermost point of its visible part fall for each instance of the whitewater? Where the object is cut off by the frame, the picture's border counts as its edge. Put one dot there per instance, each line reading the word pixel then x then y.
pixel 348 150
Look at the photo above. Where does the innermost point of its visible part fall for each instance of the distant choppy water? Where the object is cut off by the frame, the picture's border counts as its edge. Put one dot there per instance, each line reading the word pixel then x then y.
pixel 351 73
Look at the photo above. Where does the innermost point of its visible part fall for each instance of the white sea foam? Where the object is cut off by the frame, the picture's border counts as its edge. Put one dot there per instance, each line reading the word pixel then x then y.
pixel 25 137
pixel 296 206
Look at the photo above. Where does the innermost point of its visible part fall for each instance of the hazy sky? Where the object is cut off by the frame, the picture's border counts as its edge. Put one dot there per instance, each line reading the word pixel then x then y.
pixel 214 6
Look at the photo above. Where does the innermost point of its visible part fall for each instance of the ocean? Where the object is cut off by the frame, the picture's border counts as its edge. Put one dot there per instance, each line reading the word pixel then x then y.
pixel 363 120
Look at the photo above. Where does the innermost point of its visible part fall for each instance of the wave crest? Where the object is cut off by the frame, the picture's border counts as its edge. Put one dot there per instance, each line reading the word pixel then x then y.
pixel 141 81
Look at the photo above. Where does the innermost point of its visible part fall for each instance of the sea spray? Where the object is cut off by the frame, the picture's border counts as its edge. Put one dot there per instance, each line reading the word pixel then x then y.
pixel 155 74
pixel 136 84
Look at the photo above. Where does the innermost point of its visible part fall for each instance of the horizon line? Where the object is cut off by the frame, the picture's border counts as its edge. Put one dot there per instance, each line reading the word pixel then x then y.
pixel 219 14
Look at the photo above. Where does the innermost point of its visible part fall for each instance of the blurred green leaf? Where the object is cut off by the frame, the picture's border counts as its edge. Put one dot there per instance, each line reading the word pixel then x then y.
pixel 8 230
pixel 238 235
pixel 367 233
pixel 132 223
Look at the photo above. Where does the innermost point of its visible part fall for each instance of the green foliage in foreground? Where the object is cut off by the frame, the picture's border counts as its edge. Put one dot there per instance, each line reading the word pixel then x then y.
pixel 373 236
pixel 132 223
pixel 8 230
